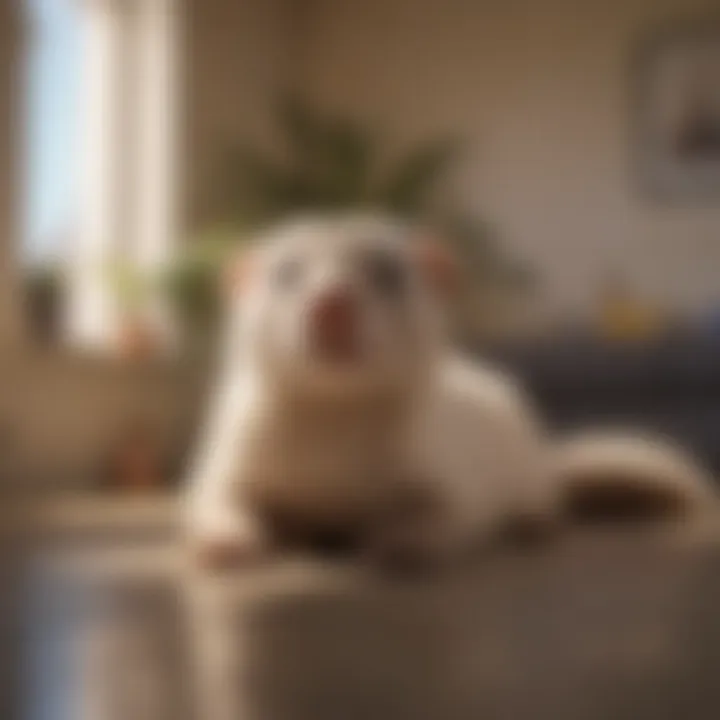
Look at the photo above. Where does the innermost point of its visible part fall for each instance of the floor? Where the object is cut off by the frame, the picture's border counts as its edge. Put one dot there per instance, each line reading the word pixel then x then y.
pixel 597 625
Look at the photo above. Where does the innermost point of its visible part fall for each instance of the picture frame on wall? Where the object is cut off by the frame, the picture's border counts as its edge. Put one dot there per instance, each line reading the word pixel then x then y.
pixel 677 112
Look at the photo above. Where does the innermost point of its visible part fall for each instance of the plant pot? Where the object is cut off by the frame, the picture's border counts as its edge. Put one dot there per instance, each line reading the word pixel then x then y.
pixel 43 299
pixel 138 475
pixel 136 339
pixel 136 463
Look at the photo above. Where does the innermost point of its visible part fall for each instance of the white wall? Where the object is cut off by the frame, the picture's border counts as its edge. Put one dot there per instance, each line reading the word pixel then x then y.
pixel 540 88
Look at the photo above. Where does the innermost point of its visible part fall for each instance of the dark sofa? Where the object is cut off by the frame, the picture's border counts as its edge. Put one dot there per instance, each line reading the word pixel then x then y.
pixel 670 386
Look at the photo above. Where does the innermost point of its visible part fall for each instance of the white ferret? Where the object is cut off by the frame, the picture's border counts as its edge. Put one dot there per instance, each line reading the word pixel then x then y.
pixel 342 409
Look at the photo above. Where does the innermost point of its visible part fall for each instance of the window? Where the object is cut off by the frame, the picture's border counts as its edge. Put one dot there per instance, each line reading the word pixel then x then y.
pixel 101 176
pixel 52 133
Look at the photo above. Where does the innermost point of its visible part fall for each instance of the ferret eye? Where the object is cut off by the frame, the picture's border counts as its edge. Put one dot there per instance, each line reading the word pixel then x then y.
pixel 287 273
pixel 386 273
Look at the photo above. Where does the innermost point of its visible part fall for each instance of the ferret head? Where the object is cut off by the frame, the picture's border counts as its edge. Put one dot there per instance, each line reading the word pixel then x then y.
pixel 340 305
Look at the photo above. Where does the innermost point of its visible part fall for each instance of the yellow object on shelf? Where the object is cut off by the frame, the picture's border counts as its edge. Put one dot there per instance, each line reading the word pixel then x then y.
pixel 625 318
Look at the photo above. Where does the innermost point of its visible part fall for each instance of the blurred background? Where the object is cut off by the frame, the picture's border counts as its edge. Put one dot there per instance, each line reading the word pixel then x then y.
pixel 567 150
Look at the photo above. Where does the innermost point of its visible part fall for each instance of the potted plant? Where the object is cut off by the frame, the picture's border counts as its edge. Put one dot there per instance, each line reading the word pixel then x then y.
pixel 134 290
pixel 192 282
pixel 135 460
pixel 328 164
pixel 43 297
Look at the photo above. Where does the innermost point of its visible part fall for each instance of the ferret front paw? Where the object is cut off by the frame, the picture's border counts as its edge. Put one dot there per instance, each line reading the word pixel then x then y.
pixel 404 553
pixel 409 538
pixel 529 531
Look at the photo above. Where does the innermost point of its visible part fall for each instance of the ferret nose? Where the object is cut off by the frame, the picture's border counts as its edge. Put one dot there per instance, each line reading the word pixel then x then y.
pixel 334 320
pixel 334 310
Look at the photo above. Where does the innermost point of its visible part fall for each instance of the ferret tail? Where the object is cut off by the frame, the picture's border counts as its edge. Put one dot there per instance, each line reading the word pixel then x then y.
pixel 614 476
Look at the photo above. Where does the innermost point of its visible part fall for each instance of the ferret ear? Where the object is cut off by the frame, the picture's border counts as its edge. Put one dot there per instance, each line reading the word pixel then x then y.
pixel 236 274
pixel 437 263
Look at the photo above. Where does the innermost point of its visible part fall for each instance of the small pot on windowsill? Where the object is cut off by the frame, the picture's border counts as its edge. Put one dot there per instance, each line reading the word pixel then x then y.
pixel 136 463
pixel 43 296
pixel 136 340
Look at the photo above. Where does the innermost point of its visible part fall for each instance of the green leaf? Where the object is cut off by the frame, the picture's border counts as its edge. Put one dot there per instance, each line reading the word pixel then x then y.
pixel 330 159
pixel 260 185
pixel 132 285
pixel 411 184
pixel 193 291
pixel 305 132
pixel 348 165
pixel 215 244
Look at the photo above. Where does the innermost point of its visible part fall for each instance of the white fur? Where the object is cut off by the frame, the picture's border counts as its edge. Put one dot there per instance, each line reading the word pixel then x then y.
pixel 464 429
pixel 645 461
pixel 479 440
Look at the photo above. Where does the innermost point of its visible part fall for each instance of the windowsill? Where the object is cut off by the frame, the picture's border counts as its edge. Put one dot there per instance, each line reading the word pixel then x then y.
pixel 59 355
pixel 82 514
